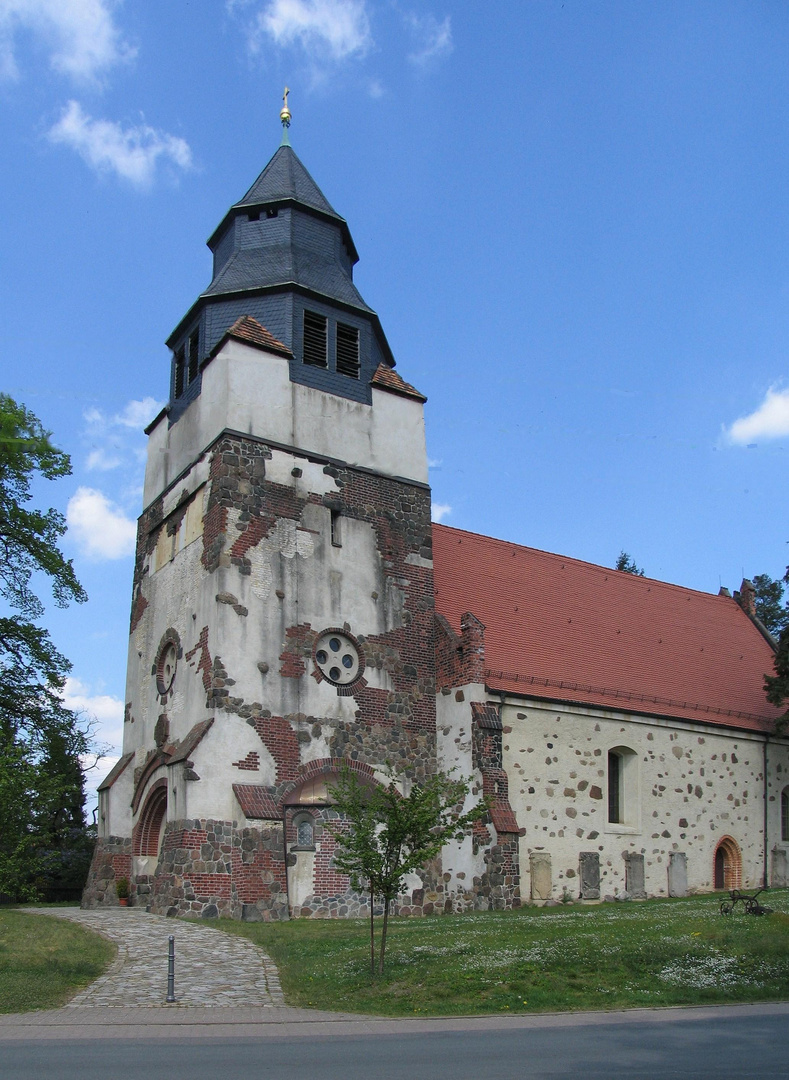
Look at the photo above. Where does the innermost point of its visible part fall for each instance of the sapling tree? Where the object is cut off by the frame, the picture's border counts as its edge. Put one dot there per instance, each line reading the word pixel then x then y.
pixel 386 834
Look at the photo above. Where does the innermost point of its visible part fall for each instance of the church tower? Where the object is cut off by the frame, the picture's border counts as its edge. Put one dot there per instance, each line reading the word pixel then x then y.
pixel 282 609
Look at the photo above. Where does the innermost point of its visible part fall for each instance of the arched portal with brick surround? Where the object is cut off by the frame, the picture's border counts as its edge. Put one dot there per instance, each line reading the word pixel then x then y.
pixel 147 834
pixel 727 865
pixel 315 887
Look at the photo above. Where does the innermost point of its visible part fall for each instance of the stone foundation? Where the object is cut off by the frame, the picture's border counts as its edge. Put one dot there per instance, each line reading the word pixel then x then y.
pixel 111 861
pixel 216 869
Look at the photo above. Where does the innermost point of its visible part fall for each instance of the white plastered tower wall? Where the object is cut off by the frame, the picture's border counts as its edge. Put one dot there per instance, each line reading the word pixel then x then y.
pixel 175 590
pixel 230 585
pixel 248 391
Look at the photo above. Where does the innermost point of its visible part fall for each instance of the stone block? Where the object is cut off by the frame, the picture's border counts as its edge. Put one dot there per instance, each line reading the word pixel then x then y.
pixel 678 874
pixel 634 875
pixel 589 871
pixel 540 874
pixel 780 868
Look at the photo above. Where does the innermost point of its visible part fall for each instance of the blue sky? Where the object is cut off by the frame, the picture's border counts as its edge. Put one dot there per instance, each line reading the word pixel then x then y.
pixel 572 219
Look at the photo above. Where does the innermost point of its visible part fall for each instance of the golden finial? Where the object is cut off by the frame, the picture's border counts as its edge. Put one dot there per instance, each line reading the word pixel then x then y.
pixel 284 114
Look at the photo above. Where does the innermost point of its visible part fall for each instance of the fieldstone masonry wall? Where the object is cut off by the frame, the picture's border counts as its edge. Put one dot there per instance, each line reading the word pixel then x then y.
pixel 111 860
pixel 217 868
pixel 687 787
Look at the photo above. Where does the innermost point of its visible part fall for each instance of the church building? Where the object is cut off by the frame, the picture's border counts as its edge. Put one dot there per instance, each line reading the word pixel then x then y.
pixel 294 610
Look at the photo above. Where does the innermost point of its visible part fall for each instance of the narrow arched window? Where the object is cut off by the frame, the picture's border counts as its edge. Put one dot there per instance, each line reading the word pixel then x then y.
pixel 785 814
pixel 614 787
pixel 304 827
pixel 622 776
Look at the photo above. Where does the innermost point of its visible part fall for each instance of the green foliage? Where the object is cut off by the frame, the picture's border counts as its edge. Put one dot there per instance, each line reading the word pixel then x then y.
pixel 770 609
pixel 29 538
pixel 627 565
pixel 775 617
pixel 122 888
pixel 387 835
pixel 44 844
pixel 777 686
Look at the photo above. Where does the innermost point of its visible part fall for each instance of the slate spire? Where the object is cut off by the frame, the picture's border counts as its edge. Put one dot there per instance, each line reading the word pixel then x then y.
pixel 280 251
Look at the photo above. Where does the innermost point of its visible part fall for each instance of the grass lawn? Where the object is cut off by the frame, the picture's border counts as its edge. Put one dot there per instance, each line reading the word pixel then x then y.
pixel 609 956
pixel 44 961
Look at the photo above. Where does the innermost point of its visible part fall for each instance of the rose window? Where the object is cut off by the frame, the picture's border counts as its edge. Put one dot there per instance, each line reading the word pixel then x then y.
pixel 338 658
pixel 168 661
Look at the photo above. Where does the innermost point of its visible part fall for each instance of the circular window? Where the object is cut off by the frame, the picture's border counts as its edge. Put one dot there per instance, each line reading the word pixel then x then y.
pixel 338 658
pixel 165 673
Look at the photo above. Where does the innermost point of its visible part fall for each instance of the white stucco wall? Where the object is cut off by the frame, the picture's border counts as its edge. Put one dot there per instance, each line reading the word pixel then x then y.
pixel 454 752
pixel 247 390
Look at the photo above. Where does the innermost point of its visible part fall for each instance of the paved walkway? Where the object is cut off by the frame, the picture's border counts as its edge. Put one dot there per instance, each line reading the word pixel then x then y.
pixel 211 968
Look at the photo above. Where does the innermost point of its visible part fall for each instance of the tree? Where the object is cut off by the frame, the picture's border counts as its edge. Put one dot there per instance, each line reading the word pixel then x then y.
pixel 41 742
pixel 777 686
pixel 769 607
pixel 769 594
pixel 387 835
pixel 627 565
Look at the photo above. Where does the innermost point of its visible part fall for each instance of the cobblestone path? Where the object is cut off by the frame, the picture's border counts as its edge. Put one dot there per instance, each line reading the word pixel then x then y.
pixel 211 967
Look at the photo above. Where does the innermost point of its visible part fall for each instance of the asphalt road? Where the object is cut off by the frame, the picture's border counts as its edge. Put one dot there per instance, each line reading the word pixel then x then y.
pixel 743 1047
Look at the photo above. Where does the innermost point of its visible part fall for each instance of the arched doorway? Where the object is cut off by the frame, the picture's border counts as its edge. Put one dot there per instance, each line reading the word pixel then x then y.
pixel 147 834
pixel 727 870
pixel 314 884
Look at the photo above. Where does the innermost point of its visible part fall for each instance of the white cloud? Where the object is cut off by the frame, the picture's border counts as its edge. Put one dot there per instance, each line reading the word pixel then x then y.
pixel 334 28
pixel 101 529
pixel 95 772
pixel 79 35
pixel 105 709
pixel 105 714
pixel 438 511
pixel 138 414
pixel 133 153
pixel 769 421
pixel 431 37
pixel 102 461
pixel 115 440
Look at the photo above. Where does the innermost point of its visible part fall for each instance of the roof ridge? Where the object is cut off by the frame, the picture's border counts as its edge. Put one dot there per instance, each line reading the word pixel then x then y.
pixel 583 562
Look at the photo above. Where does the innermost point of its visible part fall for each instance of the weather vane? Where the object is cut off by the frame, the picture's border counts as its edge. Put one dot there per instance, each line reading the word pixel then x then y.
pixel 284 114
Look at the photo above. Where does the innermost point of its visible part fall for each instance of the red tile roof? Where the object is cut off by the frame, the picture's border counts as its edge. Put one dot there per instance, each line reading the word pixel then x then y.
pixel 565 630
pixel 256 802
pixel 386 378
pixel 251 332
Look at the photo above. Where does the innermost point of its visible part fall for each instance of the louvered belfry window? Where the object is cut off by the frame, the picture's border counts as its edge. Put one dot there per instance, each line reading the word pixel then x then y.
pixel 194 352
pixel 179 372
pixel 348 350
pixel 315 339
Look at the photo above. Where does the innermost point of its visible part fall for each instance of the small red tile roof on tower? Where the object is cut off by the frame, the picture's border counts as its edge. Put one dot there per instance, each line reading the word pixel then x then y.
pixel 386 378
pixel 249 330
pixel 565 630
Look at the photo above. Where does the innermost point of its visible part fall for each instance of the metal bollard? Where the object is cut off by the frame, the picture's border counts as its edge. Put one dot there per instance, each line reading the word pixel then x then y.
pixel 171 970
